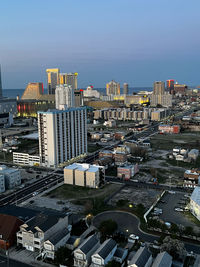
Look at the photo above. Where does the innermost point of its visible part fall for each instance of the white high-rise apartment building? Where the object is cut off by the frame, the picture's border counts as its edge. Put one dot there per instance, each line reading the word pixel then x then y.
pixel 62 135
pixel 64 96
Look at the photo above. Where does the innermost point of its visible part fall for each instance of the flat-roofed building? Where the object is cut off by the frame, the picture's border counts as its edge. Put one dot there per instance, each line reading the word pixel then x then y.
pixel 84 175
pixel 12 176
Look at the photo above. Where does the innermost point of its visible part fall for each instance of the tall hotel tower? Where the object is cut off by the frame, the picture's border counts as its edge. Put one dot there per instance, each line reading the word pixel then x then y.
pixel 62 135
pixel 52 80
pixel 69 79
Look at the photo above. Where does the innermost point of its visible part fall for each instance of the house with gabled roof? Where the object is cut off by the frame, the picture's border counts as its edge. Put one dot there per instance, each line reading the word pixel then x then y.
pixel 82 255
pixel 142 258
pixel 104 253
pixel 38 229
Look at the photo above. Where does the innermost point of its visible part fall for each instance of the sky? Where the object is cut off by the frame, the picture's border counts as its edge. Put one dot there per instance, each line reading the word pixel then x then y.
pixel 134 41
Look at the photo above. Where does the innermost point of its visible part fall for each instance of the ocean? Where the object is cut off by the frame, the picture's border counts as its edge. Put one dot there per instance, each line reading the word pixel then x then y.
pixel 13 93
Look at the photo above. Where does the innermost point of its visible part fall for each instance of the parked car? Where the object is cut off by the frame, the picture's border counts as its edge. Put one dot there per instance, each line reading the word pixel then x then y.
pixel 178 209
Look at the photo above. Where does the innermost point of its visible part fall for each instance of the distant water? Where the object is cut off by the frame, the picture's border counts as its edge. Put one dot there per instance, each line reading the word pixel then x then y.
pixel 13 93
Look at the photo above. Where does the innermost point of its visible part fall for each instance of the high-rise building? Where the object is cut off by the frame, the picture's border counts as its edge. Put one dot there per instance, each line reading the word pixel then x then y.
pixel 78 96
pixel 170 86
pixel 52 80
pixel 160 96
pixel 180 89
pixel 0 84
pixel 64 96
pixel 159 88
pixel 125 88
pixel 62 135
pixel 69 79
pixel 113 88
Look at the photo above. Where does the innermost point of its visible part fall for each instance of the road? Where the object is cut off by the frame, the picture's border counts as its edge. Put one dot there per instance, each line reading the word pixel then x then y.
pixel 12 263
pixel 150 185
pixel 27 192
pixel 129 224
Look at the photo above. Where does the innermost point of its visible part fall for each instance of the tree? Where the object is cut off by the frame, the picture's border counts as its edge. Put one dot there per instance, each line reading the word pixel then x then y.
pixel 174 247
pixel 188 230
pixel 107 227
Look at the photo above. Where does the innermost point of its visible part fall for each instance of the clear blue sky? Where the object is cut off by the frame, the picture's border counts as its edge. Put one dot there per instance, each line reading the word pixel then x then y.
pixel 134 41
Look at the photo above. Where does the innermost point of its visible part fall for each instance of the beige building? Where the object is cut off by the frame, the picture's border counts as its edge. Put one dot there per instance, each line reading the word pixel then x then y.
pixel 113 88
pixel 33 91
pixel 84 175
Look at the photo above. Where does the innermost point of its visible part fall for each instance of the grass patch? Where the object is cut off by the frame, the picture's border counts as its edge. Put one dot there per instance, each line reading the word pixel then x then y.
pixel 78 192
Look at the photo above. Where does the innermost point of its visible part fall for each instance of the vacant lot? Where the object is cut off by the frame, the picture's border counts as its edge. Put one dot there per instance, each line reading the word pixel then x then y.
pixel 77 192
pixel 169 141
pixel 136 196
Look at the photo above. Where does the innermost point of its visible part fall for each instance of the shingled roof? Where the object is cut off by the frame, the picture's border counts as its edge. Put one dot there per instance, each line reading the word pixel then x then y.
pixel 8 225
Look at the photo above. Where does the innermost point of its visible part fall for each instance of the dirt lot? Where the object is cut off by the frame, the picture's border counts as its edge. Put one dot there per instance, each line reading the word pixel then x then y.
pixel 137 196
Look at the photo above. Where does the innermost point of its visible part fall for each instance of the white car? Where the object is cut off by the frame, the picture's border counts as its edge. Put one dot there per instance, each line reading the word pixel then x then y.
pixel 178 209
pixel 134 237
pixel 35 194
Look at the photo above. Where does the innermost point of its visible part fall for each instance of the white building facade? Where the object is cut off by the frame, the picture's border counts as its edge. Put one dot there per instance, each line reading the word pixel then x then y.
pixel 64 96
pixel 62 135
pixel 195 202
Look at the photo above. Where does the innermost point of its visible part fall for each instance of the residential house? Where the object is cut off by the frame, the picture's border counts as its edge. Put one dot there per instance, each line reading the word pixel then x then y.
pixel 104 253
pixel 82 255
pixel 142 258
pixel 36 231
pixel 120 255
pixel 54 242
pixel 9 225
pixel 163 259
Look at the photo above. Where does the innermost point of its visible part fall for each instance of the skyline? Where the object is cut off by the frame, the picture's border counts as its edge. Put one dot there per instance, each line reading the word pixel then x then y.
pixel 136 42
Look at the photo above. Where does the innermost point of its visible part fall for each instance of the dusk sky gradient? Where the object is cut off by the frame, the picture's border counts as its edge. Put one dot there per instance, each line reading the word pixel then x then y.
pixel 134 41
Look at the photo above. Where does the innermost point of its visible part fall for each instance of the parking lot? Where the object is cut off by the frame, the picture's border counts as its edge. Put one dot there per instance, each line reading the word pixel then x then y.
pixel 169 203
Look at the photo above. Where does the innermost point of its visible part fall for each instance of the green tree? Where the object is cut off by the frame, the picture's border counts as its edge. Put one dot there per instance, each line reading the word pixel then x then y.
pixel 107 227
pixel 188 230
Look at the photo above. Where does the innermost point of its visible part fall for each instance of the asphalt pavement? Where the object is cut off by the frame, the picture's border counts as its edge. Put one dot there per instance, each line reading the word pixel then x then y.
pixel 129 224
pixel 12 263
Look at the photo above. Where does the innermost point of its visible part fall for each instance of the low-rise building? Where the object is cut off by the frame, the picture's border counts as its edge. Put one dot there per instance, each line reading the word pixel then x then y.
pixel 26 159
pixel 39 229
pixel 84 175
pixel 175 129
pixel 193 154
pixel 163 259
pixel 120 158
pixel 191 178
pixel 82 255
pixel 9 225
pixel 54 242
pixel 106 153
pixel 104 253
pixel 119 135
pixel 122 149
pixel 120 255
pixel 195 202
pixel 12 176
pixel 96 136
pixel 110 123
pixel 127 171
pixel 142 258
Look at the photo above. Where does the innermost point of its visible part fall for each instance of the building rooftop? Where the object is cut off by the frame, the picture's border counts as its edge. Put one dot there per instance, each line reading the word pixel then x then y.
pixel 8 225
pixel 55 238
pixel 196 195
pixel 163 259
pixel 141 257
pixel 106 248
pixel 88 244
pixel 43 221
